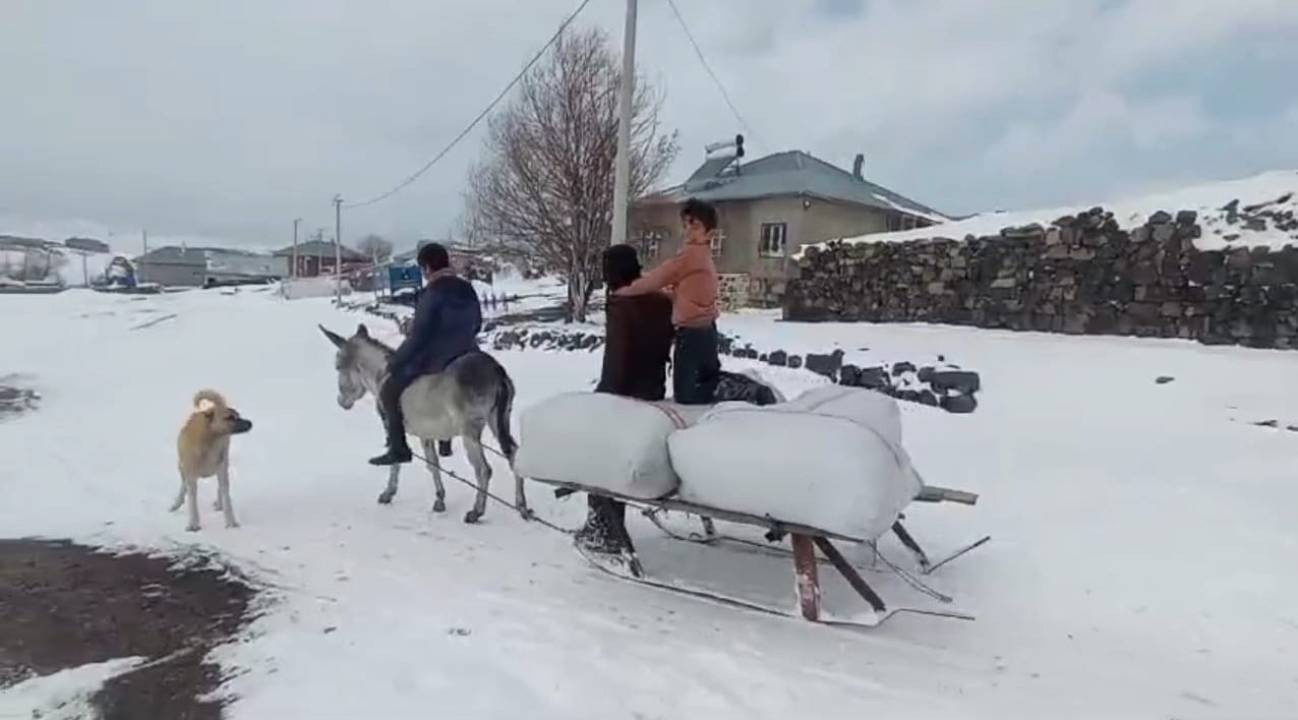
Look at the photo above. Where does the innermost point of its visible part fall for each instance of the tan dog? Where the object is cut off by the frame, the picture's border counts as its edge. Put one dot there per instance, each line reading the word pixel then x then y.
pixel 204 451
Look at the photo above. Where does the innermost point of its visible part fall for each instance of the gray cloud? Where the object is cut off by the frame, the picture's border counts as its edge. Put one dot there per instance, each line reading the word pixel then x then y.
pixel 227 120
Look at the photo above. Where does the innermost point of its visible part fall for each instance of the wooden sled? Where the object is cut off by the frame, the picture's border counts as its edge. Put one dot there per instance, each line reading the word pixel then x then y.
pixel 805 541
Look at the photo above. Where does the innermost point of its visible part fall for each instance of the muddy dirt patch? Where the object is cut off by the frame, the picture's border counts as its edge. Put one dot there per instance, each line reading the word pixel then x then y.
pixel 64 605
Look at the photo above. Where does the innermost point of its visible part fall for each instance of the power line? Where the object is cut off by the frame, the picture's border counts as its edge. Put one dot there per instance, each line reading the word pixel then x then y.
pixel 485 111
pixel 698 51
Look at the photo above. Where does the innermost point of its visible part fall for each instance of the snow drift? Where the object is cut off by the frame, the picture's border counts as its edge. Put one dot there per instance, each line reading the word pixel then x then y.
pixel 1272 196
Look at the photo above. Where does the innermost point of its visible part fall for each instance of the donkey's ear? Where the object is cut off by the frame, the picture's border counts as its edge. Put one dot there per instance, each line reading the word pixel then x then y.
pixel 334 337
pixel 362 331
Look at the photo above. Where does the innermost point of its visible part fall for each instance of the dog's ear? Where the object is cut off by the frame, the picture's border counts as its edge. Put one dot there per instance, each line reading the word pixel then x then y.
pixel 362 331
pixel 335 338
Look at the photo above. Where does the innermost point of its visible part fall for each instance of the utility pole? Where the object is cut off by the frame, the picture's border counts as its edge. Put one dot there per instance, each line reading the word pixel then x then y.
pixel 622 167
pixel 292 273
pixel 338 250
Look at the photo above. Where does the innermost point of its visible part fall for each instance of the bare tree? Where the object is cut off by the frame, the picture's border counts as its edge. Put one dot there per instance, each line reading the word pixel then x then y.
pixel 376 247
pixel 543 191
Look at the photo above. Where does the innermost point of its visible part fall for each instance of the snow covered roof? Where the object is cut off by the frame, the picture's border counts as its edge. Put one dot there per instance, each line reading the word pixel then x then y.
pixel 324 248
pixel 794 173
pixel 25 242
pixel 174 254
pixel 1250 212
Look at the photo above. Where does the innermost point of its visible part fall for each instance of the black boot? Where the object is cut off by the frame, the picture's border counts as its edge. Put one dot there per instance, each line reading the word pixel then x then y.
pixel 397 455
pixel 444 448
pixel 605 528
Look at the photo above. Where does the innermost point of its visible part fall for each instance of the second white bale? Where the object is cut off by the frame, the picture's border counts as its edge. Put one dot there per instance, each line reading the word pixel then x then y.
pixel 832 461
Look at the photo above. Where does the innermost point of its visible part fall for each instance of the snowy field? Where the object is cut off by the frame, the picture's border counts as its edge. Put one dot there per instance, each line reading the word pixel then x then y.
pixel 1141 565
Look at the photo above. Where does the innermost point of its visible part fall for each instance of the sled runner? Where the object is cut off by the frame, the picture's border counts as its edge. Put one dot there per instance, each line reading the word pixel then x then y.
pixel 805 542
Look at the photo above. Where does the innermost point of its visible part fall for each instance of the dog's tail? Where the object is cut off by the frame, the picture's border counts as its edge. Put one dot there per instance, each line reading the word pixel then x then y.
pixel 210 396
pixel 502 409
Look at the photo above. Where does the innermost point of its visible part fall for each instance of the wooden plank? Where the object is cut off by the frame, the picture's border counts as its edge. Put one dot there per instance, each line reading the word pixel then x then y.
pixel 933 493
pixel 729 515
pixel 806 573
pixel 853 578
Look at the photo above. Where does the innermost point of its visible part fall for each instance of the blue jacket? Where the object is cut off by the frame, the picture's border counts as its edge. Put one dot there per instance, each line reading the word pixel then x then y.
pixel 446 325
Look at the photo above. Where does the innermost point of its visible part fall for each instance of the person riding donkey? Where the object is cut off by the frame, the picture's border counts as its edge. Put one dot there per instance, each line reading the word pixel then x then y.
pixel 448 318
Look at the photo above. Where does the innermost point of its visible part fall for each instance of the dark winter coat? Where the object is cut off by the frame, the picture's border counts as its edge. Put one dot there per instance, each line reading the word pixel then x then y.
pixel 447 321
pixel 638 340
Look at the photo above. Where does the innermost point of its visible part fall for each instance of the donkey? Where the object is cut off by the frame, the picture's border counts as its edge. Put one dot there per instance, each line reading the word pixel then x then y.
pixel 473 392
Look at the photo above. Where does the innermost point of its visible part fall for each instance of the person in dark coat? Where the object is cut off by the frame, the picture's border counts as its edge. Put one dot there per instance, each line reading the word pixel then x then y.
pixel 637 333
pixel 638 340
pixel 447 321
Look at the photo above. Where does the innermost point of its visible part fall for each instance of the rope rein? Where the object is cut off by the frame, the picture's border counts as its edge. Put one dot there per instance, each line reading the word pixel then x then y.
pixel 525 512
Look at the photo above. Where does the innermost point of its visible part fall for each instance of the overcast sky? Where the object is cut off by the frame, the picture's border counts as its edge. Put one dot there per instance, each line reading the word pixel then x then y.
pixel 229 119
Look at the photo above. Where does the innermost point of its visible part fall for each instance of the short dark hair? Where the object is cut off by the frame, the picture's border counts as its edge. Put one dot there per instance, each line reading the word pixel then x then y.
pixel 433 257
pixel 701 211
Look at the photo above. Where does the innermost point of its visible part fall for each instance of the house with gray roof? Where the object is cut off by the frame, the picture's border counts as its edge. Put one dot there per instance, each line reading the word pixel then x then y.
pixel 768 209
pixel 179 266
pixel 318 257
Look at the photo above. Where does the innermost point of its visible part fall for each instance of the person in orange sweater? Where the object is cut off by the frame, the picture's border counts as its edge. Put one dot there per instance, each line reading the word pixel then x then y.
pixel 691 279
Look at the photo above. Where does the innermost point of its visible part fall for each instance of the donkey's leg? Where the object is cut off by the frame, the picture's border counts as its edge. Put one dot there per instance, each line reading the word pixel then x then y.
pixel 385 497
pixel 520 497
pixel 481 472
pixel 435 469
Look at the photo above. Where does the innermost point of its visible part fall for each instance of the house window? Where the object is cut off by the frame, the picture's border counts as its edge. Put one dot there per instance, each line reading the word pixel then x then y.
pixel 650 243
pixel 718 243
pixel 774 236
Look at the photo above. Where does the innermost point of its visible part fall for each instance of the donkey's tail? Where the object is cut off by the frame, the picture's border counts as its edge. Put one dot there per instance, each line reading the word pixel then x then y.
pixel 502 409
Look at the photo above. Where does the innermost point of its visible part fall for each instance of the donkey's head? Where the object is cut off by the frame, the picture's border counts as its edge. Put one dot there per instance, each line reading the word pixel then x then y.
pixel 353 364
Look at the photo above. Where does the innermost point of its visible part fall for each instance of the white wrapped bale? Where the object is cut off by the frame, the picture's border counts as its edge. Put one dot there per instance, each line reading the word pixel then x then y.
pixel 830 459
pixel 601 441
pixel 863 407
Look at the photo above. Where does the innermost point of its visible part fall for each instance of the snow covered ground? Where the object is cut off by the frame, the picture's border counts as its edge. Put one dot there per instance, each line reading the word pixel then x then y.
pixel 1140 567
pixel 1278 190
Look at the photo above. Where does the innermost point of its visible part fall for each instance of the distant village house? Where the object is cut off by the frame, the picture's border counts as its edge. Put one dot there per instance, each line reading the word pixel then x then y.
pixel 318 257
pixel 174 266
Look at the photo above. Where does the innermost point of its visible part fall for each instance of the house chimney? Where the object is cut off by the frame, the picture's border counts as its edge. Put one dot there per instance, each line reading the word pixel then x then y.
pixel 856 166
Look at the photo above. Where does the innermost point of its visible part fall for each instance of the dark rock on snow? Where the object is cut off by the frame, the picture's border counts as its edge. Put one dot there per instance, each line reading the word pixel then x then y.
pixel 959 404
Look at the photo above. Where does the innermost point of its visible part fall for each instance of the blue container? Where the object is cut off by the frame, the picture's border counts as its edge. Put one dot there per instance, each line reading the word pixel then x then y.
pixel 401 277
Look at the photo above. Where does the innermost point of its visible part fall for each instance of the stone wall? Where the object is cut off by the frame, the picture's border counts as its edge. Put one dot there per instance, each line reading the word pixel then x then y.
pixel 1083 274
pixel 732 291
